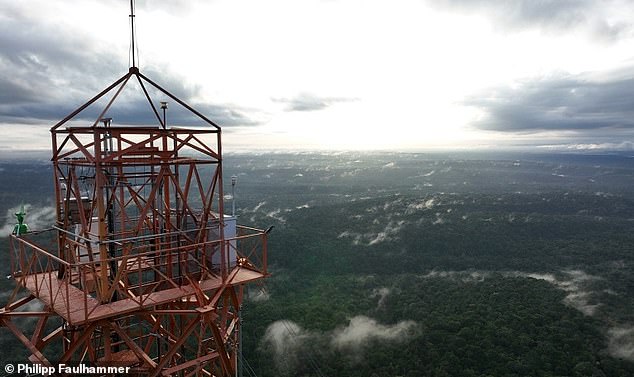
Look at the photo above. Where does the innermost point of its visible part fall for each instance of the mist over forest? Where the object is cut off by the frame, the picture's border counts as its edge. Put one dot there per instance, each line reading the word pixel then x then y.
pixel 420 264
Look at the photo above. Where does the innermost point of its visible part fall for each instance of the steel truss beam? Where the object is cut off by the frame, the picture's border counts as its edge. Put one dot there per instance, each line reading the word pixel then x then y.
pixel 141 268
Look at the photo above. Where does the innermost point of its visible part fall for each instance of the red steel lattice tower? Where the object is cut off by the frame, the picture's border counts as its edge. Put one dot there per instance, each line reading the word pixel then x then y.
pixel 142 267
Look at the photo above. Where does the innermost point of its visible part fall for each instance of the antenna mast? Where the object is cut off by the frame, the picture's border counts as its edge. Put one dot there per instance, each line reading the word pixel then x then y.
pixel 132 37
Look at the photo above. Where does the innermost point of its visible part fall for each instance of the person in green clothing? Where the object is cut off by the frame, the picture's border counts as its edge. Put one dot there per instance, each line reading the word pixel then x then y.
pixel 20 227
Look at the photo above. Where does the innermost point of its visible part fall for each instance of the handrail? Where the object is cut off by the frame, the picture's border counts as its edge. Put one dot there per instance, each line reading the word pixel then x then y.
pixel 49 275
pixel 40 249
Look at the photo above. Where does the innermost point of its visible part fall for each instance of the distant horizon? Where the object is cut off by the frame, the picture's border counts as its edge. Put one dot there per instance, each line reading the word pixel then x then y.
pixel 45 154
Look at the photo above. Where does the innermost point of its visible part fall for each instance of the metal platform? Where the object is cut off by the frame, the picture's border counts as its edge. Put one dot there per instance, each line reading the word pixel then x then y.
pixel 78 307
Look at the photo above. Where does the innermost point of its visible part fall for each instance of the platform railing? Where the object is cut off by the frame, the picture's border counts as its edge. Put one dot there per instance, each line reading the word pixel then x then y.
pixel 75 289
pixel 33 267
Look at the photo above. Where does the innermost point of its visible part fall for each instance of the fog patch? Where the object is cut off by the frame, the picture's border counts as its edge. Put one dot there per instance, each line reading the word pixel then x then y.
pixel 463 276
pixel 255 209
pixel 575 284
pixel 621 342
pixel 259 295
pixel 291 345
pixel 439 220
pixel 275 215
pixel 388 233
pixel 356 237
pixel 362 329
pixel 382 294
pixel 579 295
pixel 285 338
pixel 424 205
pixel 351 173
pixel 603 194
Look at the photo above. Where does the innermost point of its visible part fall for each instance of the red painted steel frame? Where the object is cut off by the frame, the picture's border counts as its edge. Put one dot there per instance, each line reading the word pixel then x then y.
pixel 141 268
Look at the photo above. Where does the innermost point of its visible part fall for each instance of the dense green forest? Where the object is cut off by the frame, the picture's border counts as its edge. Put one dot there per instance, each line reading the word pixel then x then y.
pixel 426 264
pixel 498 268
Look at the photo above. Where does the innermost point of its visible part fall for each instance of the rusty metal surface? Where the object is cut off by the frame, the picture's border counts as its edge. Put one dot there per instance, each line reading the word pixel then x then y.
pixel 138 266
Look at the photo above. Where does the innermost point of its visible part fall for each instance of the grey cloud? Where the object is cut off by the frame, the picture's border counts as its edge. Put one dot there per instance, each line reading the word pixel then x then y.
pixel 309 102
pixel 286 339
pixel 47 70
pixel 260 295
pixel 178 7
pixel 547 15
pixel 134 111
pixel 361 329
pixel 224 115
pixel 132 108
pixel 565 102
pixel 39 57
pixel 621 342
pixel 576 283
pixel 12 92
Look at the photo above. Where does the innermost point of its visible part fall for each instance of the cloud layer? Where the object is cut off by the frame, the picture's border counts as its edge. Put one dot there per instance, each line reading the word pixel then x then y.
pixel 362 329
pixel 286 338
pixel 309 102
pixel 575 284
pixel 581 294
pixel 290 342
pixel 49 70
pixel 278 78
pixel 621 342
pixel 551 16
pixel 560 102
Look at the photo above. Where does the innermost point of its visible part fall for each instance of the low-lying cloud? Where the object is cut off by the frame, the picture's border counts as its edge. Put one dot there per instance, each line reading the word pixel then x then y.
pixel 259 295
pixel 285 337
pixel 576 284
pixel 580 295
pixel 382 294
pixel 389 233
pixel 621 342
pixel 289 342
pixel 463 276
pixel 361 329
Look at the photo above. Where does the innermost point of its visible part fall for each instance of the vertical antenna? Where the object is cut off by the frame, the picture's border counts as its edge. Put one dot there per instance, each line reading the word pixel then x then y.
pixel 132 33
pixel 234 179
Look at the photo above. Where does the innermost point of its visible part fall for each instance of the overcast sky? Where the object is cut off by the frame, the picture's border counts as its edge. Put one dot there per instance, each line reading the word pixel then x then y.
pixel 335 74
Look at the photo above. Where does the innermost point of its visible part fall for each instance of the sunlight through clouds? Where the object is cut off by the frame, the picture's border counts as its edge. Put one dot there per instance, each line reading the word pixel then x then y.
pixel 327 74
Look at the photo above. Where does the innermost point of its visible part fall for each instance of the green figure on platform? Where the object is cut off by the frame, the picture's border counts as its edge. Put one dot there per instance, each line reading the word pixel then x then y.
pixel 20 227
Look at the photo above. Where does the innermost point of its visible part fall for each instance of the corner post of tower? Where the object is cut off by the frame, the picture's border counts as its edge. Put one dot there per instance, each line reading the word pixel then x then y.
pixel 102 230
pixel 224 248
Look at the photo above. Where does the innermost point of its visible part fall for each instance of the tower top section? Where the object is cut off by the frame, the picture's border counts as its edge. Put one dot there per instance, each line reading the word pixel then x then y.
pixel 142 267
pixel 133 51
